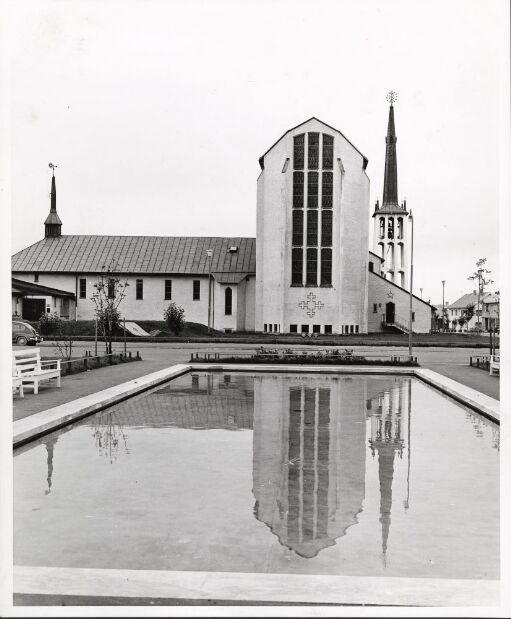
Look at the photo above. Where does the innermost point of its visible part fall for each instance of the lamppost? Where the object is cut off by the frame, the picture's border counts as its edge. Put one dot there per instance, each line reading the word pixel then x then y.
pixel 410 326
pixel 209 253
pixel 443 306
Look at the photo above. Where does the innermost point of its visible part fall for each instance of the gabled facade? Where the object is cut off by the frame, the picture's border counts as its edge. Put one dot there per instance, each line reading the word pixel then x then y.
pixel 312 234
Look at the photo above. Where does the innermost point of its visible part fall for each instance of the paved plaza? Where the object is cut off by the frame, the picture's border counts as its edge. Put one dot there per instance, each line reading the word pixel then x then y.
pixel 451 362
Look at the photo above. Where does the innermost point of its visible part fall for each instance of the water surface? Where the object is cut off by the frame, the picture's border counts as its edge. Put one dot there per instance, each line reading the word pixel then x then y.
pixel 341 475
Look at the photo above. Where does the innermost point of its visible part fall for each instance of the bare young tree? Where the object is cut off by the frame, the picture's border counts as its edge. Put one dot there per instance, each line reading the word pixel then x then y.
pixel 110 291
pixel 480 275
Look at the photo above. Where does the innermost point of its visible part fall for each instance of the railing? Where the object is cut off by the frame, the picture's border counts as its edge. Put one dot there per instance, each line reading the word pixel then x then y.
pixel 399 322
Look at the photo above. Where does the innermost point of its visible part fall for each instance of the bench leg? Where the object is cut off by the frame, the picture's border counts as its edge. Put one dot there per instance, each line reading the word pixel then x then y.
pixel 58 380
pixel 22 395
pixel 36 387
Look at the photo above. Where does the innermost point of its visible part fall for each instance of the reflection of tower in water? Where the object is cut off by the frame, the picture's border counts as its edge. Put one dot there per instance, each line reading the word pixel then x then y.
pixel 309 458
pixel 386 439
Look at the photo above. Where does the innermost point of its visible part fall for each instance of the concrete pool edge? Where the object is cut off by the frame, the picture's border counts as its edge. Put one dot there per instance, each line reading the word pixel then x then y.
pixel 255 587
pixel 41 423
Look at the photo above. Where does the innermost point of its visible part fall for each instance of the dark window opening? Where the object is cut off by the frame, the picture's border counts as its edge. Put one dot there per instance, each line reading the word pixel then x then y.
pixel 312 267
pixel 36 277
pixel 139 289
pixel 375 308
pixel 399 227
pixel 327 190
pixel 297 266
pixel 413 316
pixel 168 289
pixel 371 267
pixel 328 329
pixel 326 267
pixel 326 228
pixel 265 327
pixel 83 288
pixel 312 190
pixel 313 151
pixel 305 328
pixel 316 328
pixel 328 152
pixel 111 288
pixel 382 227
pixel 298 180
pixel 196 289
pixel 275 328
pixel 297 227
pixel 228 301
pixel 293 328
pixel 298 151
pixel 270 328
pixel 356 328
pixel 390 231
pixel 351 328
pixel 312 228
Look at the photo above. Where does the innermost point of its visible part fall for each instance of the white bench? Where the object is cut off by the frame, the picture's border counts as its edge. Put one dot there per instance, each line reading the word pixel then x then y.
pixel 494 364
pixel 27 366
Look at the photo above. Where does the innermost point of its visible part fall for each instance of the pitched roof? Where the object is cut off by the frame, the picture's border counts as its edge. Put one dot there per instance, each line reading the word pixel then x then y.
pixel 462 302
pixel 137 254
pixel 364 158
pixel 18 285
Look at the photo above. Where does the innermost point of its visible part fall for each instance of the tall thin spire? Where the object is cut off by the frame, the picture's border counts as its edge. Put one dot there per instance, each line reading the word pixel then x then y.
pixel 53 224
pixel 390 181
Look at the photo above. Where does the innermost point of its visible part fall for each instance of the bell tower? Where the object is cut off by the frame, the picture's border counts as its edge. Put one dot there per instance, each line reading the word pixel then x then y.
pixel 52 224
pixel 390 219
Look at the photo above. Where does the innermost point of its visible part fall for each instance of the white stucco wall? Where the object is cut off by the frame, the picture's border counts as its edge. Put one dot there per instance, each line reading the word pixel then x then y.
pixel 378 293
pixel 345 302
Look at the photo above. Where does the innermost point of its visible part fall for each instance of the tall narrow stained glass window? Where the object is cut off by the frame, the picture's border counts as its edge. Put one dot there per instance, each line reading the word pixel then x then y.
pixel 299 152
pixel 326 266
pixel 326 228
pixel 297 266
pixel 298 189
pixel 312 190
pixel 312 267
pixel 328 152
pixel 313 144
pixel 297 227
pixel 312 228
pixel 327 190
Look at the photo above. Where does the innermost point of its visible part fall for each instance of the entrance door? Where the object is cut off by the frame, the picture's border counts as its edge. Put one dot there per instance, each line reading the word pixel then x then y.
pixel 33 308
pixel 390 312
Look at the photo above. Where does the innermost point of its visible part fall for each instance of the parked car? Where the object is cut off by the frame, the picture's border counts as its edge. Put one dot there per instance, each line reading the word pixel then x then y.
pixel 23 334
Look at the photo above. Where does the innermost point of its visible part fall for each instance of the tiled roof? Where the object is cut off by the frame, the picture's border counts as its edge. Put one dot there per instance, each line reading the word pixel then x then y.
pixel 137 254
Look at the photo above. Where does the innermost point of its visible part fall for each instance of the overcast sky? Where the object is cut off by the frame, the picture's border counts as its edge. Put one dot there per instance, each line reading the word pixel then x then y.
pixel 156 113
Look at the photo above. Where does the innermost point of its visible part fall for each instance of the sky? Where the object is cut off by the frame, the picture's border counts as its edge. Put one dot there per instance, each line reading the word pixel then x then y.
pixel 156 114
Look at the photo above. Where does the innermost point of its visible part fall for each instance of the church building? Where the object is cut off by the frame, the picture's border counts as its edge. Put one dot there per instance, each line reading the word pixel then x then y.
pixel 309 269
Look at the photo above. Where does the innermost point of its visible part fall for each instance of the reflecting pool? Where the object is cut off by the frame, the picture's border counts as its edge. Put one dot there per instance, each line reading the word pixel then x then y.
pixel 280 473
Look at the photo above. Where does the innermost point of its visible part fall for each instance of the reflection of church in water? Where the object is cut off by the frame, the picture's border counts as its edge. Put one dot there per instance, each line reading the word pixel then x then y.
pixel 310 454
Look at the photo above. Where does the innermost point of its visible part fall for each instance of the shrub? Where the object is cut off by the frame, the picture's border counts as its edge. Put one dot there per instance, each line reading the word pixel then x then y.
pixel 50 324
pixel 174 316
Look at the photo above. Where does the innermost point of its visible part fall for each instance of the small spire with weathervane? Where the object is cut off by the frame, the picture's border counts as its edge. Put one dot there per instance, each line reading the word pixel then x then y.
pixel 52 224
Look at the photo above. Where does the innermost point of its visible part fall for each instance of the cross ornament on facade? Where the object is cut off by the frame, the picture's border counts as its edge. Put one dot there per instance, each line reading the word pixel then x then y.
pixel 311 305
pixel 390 294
